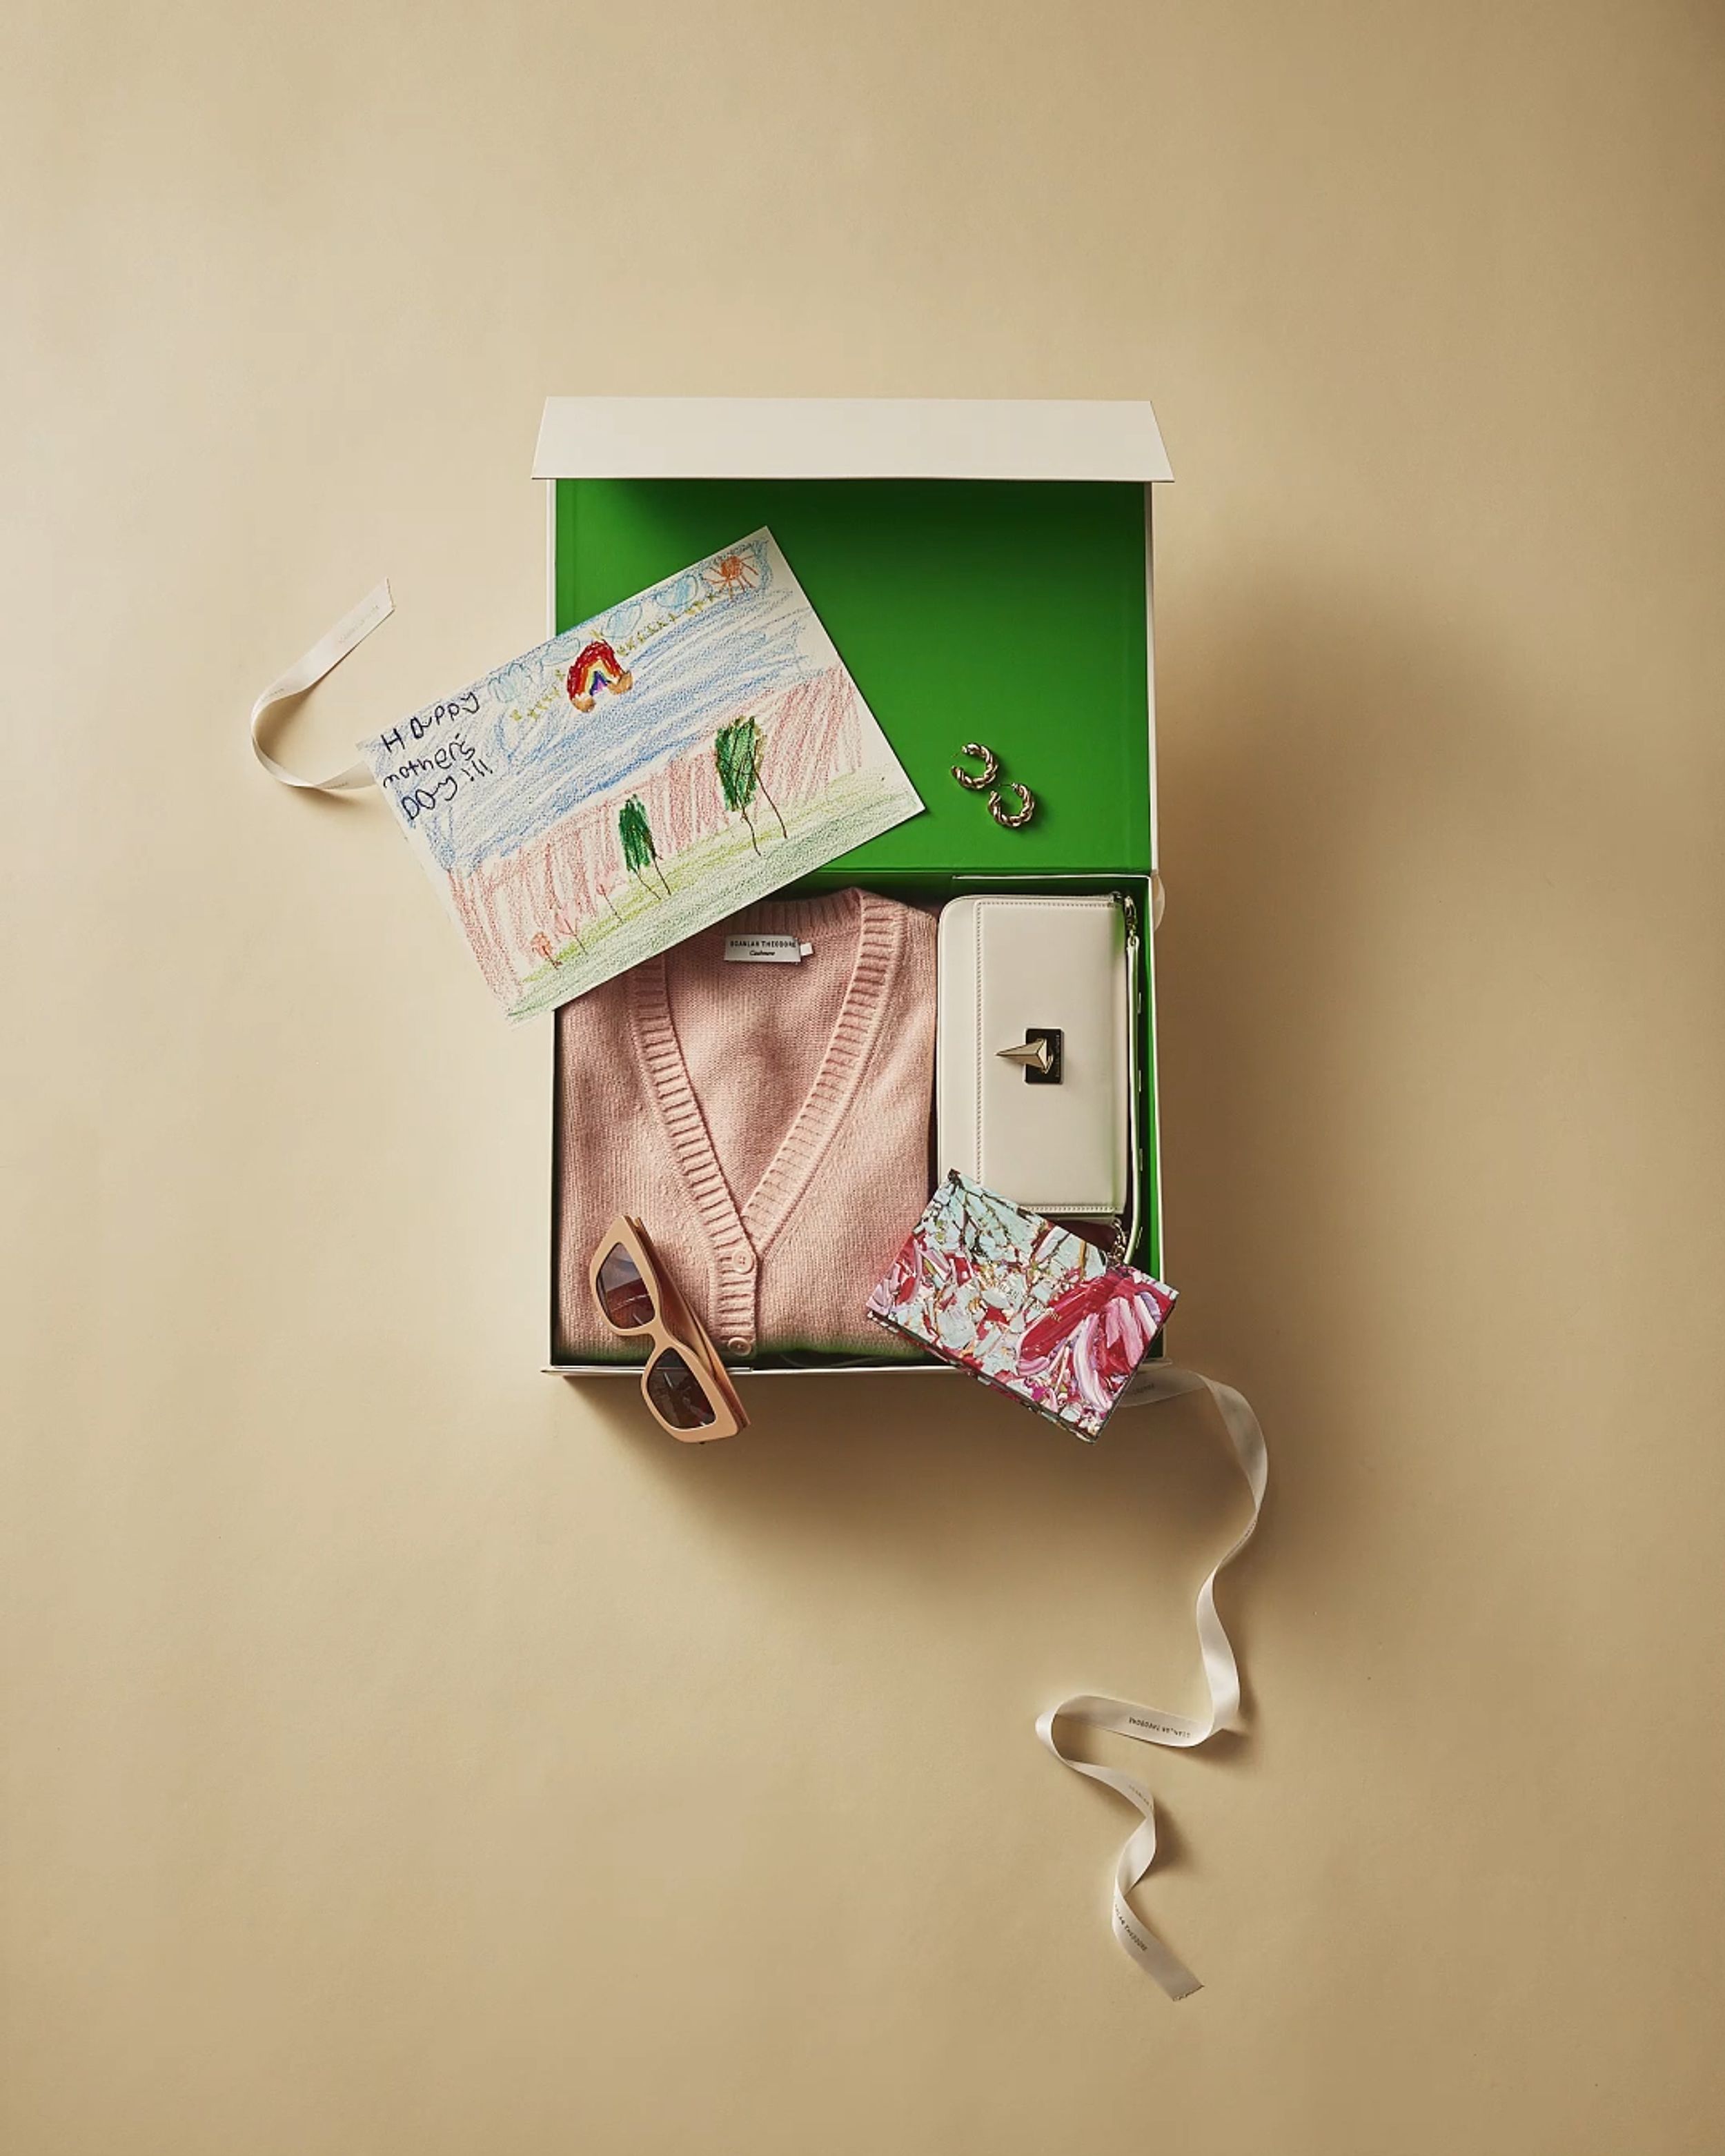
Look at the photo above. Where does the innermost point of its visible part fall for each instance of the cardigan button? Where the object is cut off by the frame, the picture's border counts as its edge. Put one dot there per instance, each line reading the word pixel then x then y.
pixel 738 1346
pixel 739 1261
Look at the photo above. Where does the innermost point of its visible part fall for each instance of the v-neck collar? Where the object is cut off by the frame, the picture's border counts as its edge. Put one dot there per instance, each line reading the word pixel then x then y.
pixel 745 1229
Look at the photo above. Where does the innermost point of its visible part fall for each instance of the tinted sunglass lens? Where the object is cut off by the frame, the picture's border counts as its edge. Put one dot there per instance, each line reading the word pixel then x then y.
pixel 624 1295
pixel 677 1393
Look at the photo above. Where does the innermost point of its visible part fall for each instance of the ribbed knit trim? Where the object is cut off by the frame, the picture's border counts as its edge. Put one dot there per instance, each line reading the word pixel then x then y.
pixel 879 944
pixel 739 1236
pixel 733 1306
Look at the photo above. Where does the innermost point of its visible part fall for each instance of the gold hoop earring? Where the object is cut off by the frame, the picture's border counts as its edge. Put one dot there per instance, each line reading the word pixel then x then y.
pixel 991 769
pixel 1020 816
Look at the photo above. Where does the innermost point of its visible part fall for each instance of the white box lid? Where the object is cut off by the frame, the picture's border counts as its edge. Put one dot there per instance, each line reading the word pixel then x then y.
pixel 848 438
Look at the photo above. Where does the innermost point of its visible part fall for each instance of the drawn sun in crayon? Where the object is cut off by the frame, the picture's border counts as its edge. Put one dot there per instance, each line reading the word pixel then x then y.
pixel 732 575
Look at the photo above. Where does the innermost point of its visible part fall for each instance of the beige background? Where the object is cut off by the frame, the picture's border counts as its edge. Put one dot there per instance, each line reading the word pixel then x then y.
pixel 407 1753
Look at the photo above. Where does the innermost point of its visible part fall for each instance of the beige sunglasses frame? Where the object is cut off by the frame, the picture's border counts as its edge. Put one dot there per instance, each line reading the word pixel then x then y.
pixel 673 1324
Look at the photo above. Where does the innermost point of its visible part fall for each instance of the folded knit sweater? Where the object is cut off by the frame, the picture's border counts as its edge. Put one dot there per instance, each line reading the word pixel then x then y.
pixel 767 1124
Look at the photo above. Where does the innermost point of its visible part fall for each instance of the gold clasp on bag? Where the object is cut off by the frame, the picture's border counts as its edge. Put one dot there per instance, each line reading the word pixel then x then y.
pixel 1042 1053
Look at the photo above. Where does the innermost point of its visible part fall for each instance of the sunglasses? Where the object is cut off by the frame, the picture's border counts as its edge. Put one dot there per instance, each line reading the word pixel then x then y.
pixel 684 1384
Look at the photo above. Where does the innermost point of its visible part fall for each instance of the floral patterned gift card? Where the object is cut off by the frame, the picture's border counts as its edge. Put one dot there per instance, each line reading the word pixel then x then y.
pixel 1024 1305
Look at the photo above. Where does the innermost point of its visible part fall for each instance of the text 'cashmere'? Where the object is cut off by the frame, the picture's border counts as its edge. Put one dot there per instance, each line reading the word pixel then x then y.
pixel 767 1124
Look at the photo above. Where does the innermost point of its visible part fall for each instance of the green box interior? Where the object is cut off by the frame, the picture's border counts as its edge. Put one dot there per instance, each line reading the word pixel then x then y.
pixel 1005 612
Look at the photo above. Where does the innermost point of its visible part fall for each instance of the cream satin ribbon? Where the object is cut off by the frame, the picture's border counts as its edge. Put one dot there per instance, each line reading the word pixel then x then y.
pixel 307 670
pixel 1151 1725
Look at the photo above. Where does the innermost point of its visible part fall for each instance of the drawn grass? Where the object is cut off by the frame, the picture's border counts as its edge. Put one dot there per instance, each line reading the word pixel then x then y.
pixel 855 806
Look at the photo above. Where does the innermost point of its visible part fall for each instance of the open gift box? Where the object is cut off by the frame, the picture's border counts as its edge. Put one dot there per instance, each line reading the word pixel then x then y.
pixel 983 569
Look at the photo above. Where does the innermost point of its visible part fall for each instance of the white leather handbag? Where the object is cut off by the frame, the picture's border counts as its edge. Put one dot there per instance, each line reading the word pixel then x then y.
pixel 1034 1053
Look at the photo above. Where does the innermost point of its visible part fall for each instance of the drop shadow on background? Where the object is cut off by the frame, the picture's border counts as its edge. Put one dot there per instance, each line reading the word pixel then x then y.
pixel 919 1465
pixel 914 1484
pixel 1310 746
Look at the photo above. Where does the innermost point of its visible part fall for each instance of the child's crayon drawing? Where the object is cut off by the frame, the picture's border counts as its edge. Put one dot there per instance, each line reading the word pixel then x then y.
pixel 641 777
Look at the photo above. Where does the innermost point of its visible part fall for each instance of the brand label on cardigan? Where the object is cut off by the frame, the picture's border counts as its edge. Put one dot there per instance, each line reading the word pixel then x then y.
pixel 766 951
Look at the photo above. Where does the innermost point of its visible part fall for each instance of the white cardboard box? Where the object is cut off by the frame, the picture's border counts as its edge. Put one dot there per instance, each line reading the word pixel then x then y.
pixel 851 438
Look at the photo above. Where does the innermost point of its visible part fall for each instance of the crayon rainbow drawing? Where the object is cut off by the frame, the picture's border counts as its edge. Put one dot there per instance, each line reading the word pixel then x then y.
pixel 641 777
pixel 597 664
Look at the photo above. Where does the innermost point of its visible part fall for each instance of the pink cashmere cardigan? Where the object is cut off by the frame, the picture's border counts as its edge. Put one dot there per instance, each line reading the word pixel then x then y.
pixel 769 1125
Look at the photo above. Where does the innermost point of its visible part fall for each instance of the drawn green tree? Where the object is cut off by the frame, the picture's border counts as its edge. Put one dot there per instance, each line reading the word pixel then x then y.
pixel 640 854
pixel 736 751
